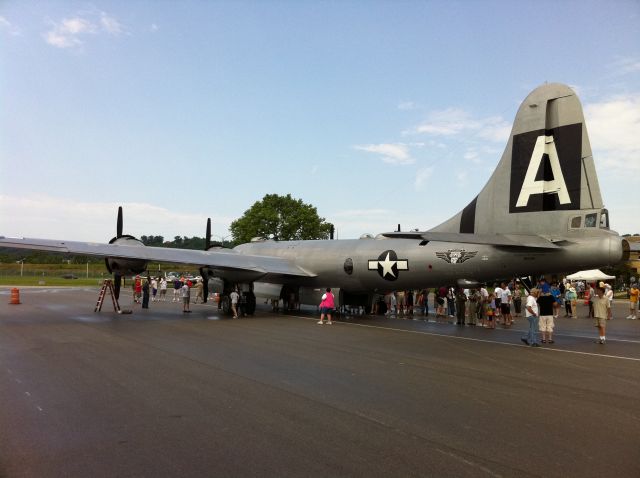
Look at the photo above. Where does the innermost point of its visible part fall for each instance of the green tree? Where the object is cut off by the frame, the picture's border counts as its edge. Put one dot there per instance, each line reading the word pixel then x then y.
pixel 156 241
pixel 281 218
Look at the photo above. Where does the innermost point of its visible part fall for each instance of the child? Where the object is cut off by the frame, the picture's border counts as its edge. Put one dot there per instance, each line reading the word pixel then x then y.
pixel 491 311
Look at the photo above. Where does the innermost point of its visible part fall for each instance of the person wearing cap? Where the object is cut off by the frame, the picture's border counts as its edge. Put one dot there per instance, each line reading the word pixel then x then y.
pixel 531 311
pixel 634 292
pixel 608 293
pixel 602 312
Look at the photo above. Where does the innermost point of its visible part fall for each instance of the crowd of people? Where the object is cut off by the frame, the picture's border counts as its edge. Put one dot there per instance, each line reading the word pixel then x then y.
pixel 145 288
pixel 490 307
pixel 484 306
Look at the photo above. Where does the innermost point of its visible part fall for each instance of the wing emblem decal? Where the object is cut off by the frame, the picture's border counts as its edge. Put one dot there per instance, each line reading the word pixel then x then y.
pixel 388 265
pixel 456 256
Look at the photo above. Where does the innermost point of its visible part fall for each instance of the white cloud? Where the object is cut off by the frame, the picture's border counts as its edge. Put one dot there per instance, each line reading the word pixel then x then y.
pixel 462 177
pixel 6 26
pixel 445 122
pixel 110 24
pixel 58 218
pixel 472 156
pixel 422 175
pixel 453 121
pixel 614 130
pixel 406 105
pixel 354 213
pixel 391 153
pixel 75 26
pixel 623 66
pixel 353 223
pixel 70 32
pixel 154 27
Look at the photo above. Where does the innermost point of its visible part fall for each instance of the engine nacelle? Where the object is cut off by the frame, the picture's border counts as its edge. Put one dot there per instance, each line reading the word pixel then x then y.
pixel 122 266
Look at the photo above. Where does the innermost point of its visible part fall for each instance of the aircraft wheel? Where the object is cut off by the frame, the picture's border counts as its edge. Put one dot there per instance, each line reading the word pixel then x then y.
pixel 251 303
pixel 226 304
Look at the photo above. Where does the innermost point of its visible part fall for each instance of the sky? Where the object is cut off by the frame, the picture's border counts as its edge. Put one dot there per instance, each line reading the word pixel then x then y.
pixel 377 113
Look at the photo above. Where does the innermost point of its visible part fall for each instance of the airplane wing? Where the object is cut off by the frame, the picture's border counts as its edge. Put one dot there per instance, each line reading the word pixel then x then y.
pixel 224 259
pixel 508 240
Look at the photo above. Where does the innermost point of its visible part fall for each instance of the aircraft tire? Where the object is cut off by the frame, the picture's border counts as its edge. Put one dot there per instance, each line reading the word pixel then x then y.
pixel 226 304
pixel 251 303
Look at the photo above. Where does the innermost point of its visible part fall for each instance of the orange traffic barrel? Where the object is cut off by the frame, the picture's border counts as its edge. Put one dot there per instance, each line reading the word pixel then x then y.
pixel 15 296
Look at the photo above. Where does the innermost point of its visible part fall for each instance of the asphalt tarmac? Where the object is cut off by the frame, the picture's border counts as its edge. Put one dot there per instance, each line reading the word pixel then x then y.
pixel 161 393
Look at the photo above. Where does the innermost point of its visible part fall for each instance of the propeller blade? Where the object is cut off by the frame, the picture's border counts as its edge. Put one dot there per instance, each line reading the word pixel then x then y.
pixel 119 224
pixel 205 284
pixel 207 240
pixel 117 282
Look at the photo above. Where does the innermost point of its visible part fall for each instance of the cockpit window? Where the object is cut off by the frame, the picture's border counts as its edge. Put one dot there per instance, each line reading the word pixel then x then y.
pixel 590 220
pixel 576 222
pixel 604 219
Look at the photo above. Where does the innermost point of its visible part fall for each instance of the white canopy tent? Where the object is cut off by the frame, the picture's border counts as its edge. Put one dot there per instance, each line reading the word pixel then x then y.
pixel 592 275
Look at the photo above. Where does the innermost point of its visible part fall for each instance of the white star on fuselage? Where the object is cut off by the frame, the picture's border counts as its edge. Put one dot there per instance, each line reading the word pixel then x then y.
pixel 387 266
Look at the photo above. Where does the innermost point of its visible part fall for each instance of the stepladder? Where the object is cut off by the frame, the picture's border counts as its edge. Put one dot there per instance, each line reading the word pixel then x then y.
pixel 107 286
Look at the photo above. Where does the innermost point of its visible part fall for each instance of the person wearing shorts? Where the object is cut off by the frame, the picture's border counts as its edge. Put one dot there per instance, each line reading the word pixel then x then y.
pixel 602 312
pixel 634 292
pixel 177 285
pixel 326 306
pixel 545 306
pixel 505 305
pixel 491 312
pixel 234 296
pixel 497 297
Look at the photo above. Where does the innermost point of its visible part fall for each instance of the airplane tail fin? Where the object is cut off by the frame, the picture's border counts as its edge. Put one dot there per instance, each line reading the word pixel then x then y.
pixel 545 183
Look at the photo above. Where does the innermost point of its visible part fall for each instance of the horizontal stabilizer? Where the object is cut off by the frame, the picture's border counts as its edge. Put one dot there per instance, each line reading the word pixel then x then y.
pixel 509 240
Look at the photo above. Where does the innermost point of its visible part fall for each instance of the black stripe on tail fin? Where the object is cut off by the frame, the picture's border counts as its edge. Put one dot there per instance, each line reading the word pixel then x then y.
pixel 468 218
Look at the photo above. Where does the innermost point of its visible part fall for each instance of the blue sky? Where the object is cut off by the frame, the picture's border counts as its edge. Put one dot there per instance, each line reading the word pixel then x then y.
pixel 377 113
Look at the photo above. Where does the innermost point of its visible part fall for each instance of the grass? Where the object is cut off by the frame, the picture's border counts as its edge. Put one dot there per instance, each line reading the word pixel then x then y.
pixel 29 281
pixel 47 275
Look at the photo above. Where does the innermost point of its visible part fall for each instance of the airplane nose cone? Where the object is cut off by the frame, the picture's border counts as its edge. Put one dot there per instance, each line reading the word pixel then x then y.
pixel 626 250
pixel 618 250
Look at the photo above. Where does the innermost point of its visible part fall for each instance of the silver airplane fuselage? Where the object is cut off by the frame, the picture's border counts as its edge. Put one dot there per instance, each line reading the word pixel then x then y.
pixel 381 265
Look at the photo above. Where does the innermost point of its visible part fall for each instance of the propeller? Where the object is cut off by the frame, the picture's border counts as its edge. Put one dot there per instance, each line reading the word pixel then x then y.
pixel 117 278
pixel 119 266
pixel 204 272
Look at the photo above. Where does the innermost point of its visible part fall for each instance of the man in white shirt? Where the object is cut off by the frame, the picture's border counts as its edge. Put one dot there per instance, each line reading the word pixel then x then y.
pixel 531 311
pixel 497 297
pixel 185 293
pixel 505 305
